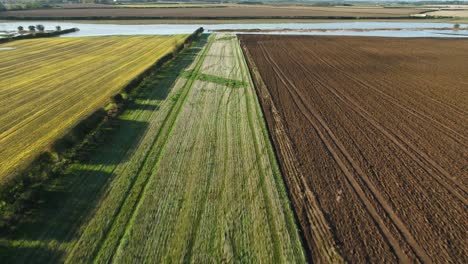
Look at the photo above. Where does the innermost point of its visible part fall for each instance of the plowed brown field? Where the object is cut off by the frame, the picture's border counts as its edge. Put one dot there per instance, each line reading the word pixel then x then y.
pixel 371 135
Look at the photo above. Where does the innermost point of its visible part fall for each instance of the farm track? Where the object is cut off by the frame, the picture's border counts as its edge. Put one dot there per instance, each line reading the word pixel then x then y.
pixel 373 149
pixel 42 83
pixel 188 175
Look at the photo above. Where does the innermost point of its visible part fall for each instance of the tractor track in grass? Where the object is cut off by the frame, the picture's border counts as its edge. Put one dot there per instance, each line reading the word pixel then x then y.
pixel 168 126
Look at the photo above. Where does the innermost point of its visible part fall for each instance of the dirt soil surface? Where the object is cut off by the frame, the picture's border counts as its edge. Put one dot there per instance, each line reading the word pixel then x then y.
pixel 371 136
pixel 214 12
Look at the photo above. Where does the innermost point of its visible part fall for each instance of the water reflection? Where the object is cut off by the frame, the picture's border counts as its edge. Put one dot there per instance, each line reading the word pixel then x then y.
pixel 405 29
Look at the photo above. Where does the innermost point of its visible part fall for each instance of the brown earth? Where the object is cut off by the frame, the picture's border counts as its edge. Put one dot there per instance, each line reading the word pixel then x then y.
pixel 215 12
pixel 371 136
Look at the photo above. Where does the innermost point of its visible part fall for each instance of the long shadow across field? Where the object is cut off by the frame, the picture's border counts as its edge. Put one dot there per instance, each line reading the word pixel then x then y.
pixel 70 199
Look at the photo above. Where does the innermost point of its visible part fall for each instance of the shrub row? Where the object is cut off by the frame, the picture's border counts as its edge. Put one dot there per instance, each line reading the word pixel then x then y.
pixel 39 35
pixel 22 191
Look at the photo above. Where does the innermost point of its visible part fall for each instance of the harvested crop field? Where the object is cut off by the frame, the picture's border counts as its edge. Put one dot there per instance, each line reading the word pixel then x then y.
pixel 48 85
pixel 371 137
pixel 186 174
pixel 214 12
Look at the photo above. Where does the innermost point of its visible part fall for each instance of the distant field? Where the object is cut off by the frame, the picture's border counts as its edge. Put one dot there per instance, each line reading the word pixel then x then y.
pixel 245 21
pixel 47 85
pixel 167 5
pixel 371 136
pixel 83 5
pixel 187 175
pixel 450 13
pixel 130 5
pixel 241 11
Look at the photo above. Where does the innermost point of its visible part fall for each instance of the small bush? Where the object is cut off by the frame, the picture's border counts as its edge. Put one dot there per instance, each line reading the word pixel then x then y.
pixel 118 98
pixel 40 27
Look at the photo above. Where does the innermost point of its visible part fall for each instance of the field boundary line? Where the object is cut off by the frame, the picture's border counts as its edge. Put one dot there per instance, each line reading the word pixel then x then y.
pixel 289 212
pixel 322 246
pixel 266 198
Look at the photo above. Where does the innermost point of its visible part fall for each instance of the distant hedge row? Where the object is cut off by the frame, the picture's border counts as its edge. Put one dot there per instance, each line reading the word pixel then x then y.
pixel 39 35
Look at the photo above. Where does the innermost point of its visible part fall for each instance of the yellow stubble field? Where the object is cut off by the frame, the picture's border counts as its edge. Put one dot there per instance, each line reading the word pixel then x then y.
pixel 48 85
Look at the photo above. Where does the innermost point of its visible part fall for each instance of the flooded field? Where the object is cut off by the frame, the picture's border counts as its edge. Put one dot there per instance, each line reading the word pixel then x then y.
pixel 382 29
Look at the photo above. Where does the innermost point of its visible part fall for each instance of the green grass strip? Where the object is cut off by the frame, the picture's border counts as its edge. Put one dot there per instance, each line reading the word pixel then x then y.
pixel 216 79
pixel 170 125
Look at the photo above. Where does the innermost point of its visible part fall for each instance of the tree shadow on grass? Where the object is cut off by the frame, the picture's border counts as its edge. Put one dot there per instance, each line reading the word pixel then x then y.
pixel 113 146
pixel 68 201
pixel 158 85
pixel 63 206
pixel 142 106
pixel 8 252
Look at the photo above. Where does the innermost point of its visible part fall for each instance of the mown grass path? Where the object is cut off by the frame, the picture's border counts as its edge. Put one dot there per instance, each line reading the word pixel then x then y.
pixel 187 177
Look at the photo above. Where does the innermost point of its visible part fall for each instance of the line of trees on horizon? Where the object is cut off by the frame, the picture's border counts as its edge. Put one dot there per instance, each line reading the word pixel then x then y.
pixel 39 28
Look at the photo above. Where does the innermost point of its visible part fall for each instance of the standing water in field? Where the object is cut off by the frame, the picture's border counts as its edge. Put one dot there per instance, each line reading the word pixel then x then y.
pixel 382 29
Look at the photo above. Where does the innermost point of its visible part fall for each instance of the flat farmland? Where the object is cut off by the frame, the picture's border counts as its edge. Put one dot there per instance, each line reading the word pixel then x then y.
pixel 231 11
pixel 371 137
pixel 187 175
pixel 48 85
pixel 450 13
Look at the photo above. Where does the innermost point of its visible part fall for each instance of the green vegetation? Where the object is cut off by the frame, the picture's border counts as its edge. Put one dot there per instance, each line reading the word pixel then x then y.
pixel 226 38
pixel 216 79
